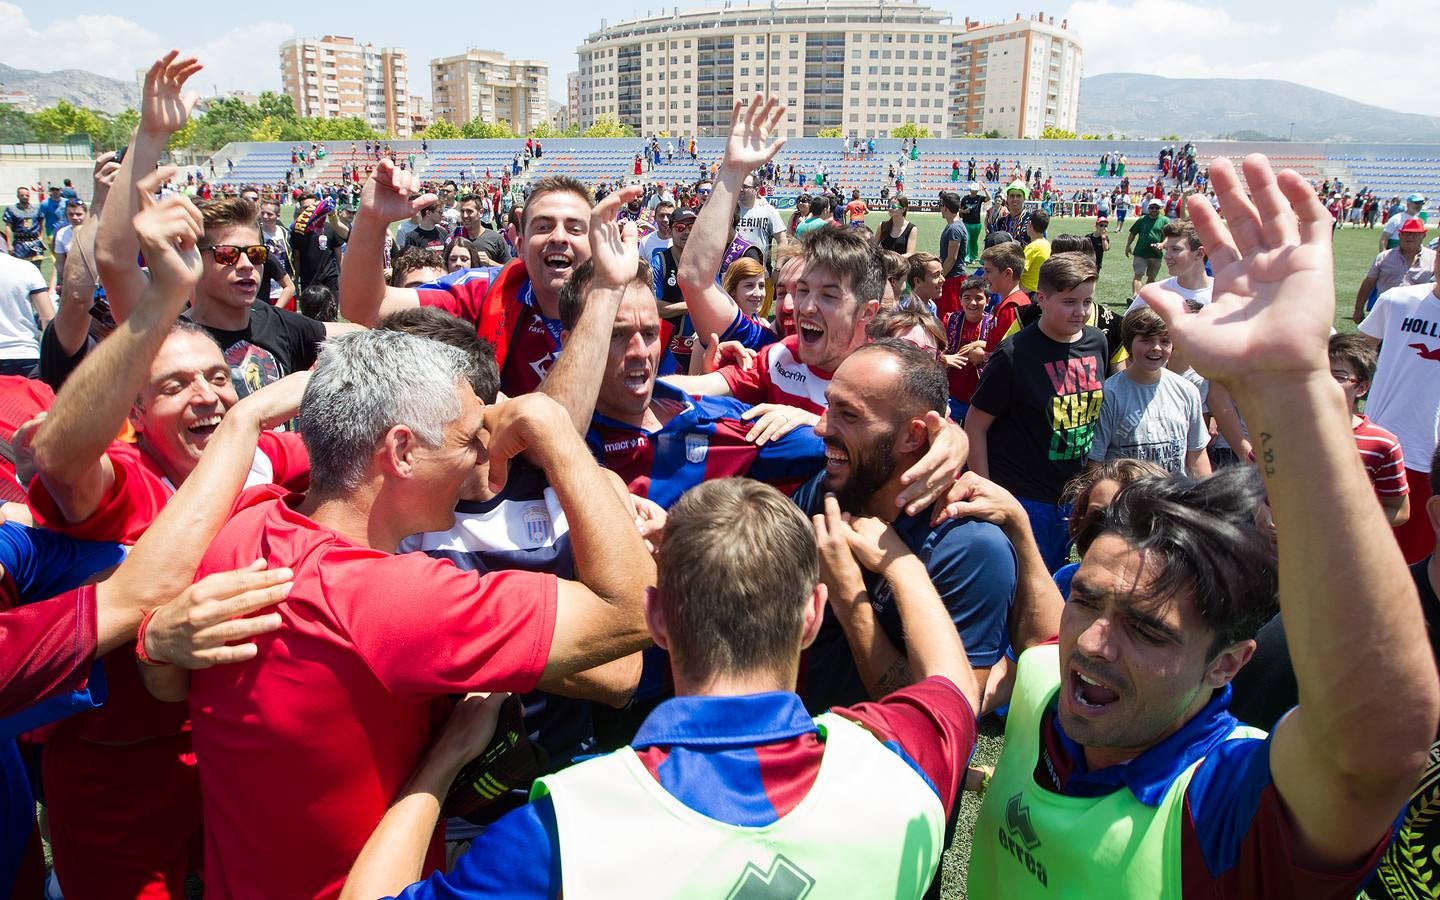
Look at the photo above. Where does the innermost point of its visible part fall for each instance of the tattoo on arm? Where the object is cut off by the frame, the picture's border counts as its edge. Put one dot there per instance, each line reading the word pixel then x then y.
pixel 1267 453
pixel 895 677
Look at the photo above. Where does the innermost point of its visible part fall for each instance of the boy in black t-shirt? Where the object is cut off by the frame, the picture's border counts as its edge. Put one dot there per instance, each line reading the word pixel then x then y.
pixel 1034 413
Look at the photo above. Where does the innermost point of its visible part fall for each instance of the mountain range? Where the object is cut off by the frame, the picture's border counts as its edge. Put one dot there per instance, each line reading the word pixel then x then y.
pixel 109 95
pixel 1149 106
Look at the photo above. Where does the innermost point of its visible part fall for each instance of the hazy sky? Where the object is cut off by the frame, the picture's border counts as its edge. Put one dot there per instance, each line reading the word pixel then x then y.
pixel 1356 49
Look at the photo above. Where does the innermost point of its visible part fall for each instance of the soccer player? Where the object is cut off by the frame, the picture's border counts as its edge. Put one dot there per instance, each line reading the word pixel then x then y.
pixel 730 788
pixel 1149 412
pixel 1123 771
pixel 1034 412
pixel 875 428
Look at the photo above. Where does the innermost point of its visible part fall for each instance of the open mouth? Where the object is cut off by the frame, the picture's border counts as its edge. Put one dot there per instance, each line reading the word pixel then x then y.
pixel 1089 695
pixel 250 285
pixel 205 427
pixel 836 458
pixel 557 262
pixel 636 381
pixel 810 333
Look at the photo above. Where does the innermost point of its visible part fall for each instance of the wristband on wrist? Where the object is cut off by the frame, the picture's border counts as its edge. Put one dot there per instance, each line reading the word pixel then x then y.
pixel 140 653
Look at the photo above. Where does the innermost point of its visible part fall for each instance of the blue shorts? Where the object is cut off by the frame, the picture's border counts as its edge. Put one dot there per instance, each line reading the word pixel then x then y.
pixel 1050 523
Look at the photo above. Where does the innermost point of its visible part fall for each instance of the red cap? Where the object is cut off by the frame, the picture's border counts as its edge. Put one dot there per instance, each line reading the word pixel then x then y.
pixel 1413 226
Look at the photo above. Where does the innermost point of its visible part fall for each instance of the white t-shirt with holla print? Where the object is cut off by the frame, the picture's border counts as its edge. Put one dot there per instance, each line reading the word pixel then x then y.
pixel 1404 396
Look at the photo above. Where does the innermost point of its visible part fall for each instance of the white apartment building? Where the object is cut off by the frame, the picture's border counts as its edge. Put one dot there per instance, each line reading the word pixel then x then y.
pixel 484 85
pixel 336 77
pixel 1015 77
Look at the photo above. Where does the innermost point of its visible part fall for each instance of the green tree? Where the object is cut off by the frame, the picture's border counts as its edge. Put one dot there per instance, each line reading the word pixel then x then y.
pixel 1051 133
pixel 993 134
pixel 440 130
pixel 267 129
pixel 118 130
pixel 545 130
pixel 609 127
pixel 276 106
pixel 832 132
pixel 478 129
pixel 349 128
pixel 910 130
pixel 16 125
pixel 64 119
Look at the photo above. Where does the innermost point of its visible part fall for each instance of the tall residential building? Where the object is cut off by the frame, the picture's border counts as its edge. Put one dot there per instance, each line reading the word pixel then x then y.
pixel 336 77
pixel 1015 77
pixel 418 112
pixel 572 99
pixel 484 85
pixel 862 66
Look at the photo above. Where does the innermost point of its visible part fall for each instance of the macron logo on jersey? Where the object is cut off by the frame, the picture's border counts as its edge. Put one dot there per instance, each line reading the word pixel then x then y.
pixel 793 380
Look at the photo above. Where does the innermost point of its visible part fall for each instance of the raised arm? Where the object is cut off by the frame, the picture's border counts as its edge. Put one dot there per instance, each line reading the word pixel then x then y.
pixel 364 296
pixel 600 617
pixel 574 380
pixel 748 148
pixel 165 107
pixel 1348 756
pixel 92 406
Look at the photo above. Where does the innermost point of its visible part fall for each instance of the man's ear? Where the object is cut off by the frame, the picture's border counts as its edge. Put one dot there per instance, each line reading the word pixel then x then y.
pixel 397 451
pixel 814 614
pixel 1362 388
pixel 655 619
pixel 1228 663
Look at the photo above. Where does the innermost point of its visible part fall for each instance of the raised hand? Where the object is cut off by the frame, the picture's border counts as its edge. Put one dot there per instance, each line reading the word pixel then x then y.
pixel 387 193
pixel 614 245
pixel 750 145
pixel 1274 294
pixel 169 232
pixel 165 105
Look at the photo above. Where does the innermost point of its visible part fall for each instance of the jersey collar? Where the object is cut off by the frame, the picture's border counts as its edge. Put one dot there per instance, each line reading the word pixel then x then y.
pixel 743 721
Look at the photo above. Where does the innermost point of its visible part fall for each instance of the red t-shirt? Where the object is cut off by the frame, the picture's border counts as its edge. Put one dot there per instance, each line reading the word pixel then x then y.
pixel 302 749
pixel 1384 461
pixel 45 647
pixel 1005 314
pixel 778 376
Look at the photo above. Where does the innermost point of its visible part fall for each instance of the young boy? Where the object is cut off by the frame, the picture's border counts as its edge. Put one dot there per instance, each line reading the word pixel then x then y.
pixel 1352 363
pixel 966 336
pixel 1004 264
pixel 1033 415
pixel 1149 412
pixel 1037 250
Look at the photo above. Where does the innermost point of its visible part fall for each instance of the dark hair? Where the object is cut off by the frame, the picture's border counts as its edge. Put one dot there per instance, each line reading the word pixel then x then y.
pixel 1142 321
pixel 1204 541
pixel 736 570
pixel 229 212
pixel 849 256
pixel 438 325
pixel 1356 352
pixel 803 198
pixel 819 205
pixel 1065 272
pixel 573 291
pixel 917 263
pixel 412 259
pixel 973 283
pixel 1006 255
pixel 556 184
pixel 463 242
pixel 996 238
pixel 1435 472
pixel 923 384
pixel 318 302
pixel 1084 524
pixel 1072 243
pixel 950 200
pixel 1040 220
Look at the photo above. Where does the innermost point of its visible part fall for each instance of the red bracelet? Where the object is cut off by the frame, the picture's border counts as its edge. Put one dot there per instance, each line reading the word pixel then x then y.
pixel 140 653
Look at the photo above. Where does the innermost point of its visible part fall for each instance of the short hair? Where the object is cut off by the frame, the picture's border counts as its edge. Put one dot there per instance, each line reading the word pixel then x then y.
pixel 891 322
pixel 410 260
pixel 73 201
pixel 735 572
pixel 438 325
pixel 1006 255
pixel 1072 243
pixel 819 205
pixel 1040 220
pixel 738 271
pixel 572 293
pixel 1065 272
pixel 973 283
pixel 1203 539
pixel 469 197
pixel 1142 321
pixel 556 184
pixel 917 263
pixel 1184 230
pixel 318 302
pixel 667 203
pixel 849 256
pixel 895 264
pixel 923 386
pixel 366 383
pixel 1356 352
pixel 1084 524
pixel 996 238
pixel 229 212
pixel 269 201
pixel 950 201
pixel 803 198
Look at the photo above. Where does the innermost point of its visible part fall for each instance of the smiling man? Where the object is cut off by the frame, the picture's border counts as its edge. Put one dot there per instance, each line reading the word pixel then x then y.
pixel 516 308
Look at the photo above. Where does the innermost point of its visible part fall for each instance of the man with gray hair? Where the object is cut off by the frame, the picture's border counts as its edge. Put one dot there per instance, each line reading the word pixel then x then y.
pixel 306 745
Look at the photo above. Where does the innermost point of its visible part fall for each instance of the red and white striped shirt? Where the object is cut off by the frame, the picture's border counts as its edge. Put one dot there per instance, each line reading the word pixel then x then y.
pixel 1384 461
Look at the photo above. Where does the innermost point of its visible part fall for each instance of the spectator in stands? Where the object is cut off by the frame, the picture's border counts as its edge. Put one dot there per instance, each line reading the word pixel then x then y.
pixel 1410 262
pixel 1352 363
pixel 1148 411
pixel 1029 427
pixel 1149 230
pixel 490 246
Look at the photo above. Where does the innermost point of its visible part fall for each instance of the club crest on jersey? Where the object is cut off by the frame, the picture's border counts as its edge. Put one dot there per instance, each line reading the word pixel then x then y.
pixel 697 446
pixel 537 525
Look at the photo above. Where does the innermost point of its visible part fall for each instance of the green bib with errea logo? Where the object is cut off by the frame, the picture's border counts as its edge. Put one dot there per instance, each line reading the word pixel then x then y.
pixel 1034 843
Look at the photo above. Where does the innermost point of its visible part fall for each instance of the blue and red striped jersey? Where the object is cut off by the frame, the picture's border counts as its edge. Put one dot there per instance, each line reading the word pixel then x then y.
pixel 704 440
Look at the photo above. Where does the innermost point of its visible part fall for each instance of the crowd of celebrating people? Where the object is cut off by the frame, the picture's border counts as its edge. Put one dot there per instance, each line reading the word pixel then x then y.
pixel 622 546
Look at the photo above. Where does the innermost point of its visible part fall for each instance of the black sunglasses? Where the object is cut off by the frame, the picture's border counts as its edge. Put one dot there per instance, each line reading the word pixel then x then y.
pixel 229 254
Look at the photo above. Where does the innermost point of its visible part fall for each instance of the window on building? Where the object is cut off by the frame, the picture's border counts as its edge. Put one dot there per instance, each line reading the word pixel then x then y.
pixel 854 117
pixel 793 86
pixel 869 117
pixel 854 70
pixel 794 38
pixel 745 54
pixel 854 101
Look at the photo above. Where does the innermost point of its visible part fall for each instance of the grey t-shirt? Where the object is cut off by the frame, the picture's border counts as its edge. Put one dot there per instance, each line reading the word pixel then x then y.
pixel 759 224
pixel 955 231
pixel 1157 422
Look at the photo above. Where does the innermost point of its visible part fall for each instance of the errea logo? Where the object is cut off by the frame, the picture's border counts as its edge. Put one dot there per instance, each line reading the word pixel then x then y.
pixel 1019 839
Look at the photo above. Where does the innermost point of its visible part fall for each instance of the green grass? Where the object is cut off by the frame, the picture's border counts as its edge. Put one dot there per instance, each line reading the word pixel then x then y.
pixel 1354 251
